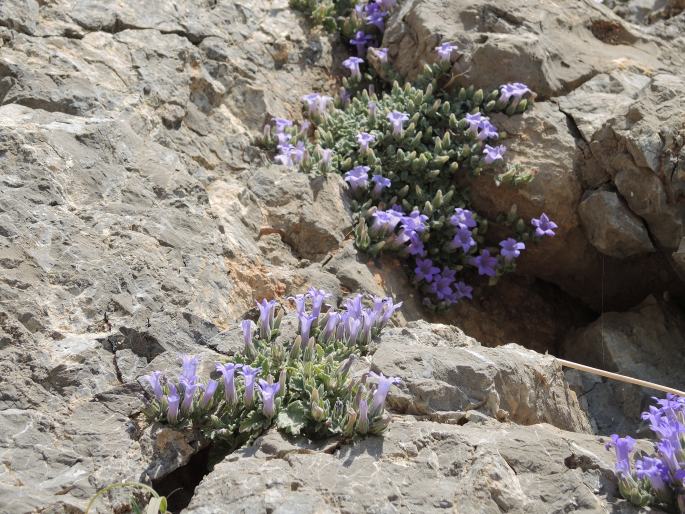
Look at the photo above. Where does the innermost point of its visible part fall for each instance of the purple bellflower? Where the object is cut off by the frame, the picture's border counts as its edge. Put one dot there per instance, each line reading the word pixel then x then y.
pixel 382 54
pixel 425 270
pixel 358 178
pixel 208 395
pixel 463 239
pixel 379 183
pixel 267 312
pixel 623 447
pixel 173 403
pixel 462 290
pixel 493 153
pixel 249 375
pixel 511 249
pixel 543 226
pixel 397 120
pixel 228 371
pixel 352 64
pixel 444 51
pixel 382 390
pixel 485 263
pixel 361 40
pixel 377 19
pixel 268 393
pixel 463 218
pixel 155 383
pixel 364 139
pixel 514 90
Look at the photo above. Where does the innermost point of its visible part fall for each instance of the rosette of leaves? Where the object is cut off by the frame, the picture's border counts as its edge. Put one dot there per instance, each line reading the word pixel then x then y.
pixel 302 386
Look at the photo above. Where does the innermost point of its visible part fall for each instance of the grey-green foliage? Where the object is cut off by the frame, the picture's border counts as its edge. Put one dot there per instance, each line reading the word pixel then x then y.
pixel 315 394
pixel 430 164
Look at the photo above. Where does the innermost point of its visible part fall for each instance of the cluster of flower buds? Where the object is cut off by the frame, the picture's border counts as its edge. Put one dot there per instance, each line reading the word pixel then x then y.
pixel 659 479
pixel 302 386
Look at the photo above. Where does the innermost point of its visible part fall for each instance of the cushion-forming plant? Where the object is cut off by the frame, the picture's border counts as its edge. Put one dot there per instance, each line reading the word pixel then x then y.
pixel 302 386
pixel 408 155
pixel 657 479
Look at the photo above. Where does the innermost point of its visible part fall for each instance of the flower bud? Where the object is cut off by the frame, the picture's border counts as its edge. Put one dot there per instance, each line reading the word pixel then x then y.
pixel 478 97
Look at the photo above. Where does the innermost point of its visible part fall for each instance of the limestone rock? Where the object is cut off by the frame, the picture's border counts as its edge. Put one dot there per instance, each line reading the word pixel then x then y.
pixel 444 372
pixel 611 227
pixel 418 466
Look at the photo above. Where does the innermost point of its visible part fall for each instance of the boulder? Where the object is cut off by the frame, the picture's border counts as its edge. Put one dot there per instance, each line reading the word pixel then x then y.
pixel 611 227
pixel 418 466
pixel 444 373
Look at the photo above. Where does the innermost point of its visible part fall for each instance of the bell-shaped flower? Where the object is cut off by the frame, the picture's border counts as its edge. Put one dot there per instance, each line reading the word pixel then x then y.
pixel 352 64
pixel 267 314
pixel 268 393
pixel 511 249
pixel 173 401
pixel 382 389
pixel 379 183
pixel 208 394
pixel 493 153
pixel 544 226
pixel 397 120
pixel 485 263
pixel 358 178
pixel 249 375
pixel 228 371
pixel 445 51
pixel 514 90
pixel 154 379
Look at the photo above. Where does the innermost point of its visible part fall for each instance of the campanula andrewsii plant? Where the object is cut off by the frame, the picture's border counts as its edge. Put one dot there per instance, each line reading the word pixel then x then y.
pixel 301 386
pixel 658 479
pixel 407 156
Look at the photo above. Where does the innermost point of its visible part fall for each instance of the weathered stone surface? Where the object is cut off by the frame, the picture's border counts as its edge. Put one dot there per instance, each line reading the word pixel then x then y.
pixel 443 372
pixel 645 342
pixel 419 466
pixel 555 47
pixel 611 227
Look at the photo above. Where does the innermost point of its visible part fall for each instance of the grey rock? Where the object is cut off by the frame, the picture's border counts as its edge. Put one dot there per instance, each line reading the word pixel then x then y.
pixel 418 466
pixel 443 370
pixel 611 227
pixel 555 47
pixel 646 343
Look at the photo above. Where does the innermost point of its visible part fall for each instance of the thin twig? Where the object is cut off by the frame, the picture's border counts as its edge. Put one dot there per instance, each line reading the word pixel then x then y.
pixel 620 378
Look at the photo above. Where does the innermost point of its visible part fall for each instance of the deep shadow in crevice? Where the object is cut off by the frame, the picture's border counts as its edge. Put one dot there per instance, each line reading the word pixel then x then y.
pixel 179 485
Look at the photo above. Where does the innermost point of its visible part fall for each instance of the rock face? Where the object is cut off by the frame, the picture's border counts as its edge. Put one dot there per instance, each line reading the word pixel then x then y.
pixel 139 220
pixel 645 342
pixel 607 117
pixel 418 466
pixel 611 227
pixel 444 373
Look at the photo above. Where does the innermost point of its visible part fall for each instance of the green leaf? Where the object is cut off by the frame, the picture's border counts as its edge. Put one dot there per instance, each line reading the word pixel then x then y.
pixel 154 506
pixel 293 419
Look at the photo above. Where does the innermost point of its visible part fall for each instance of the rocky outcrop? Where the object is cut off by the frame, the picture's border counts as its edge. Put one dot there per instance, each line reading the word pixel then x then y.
pixel 445 373
pixel 419 466
pixel 607 117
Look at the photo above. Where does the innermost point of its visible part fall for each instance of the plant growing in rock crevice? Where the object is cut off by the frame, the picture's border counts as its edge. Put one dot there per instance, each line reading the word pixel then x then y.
pixel 659 479
pixel 302 386
pixel 407 155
